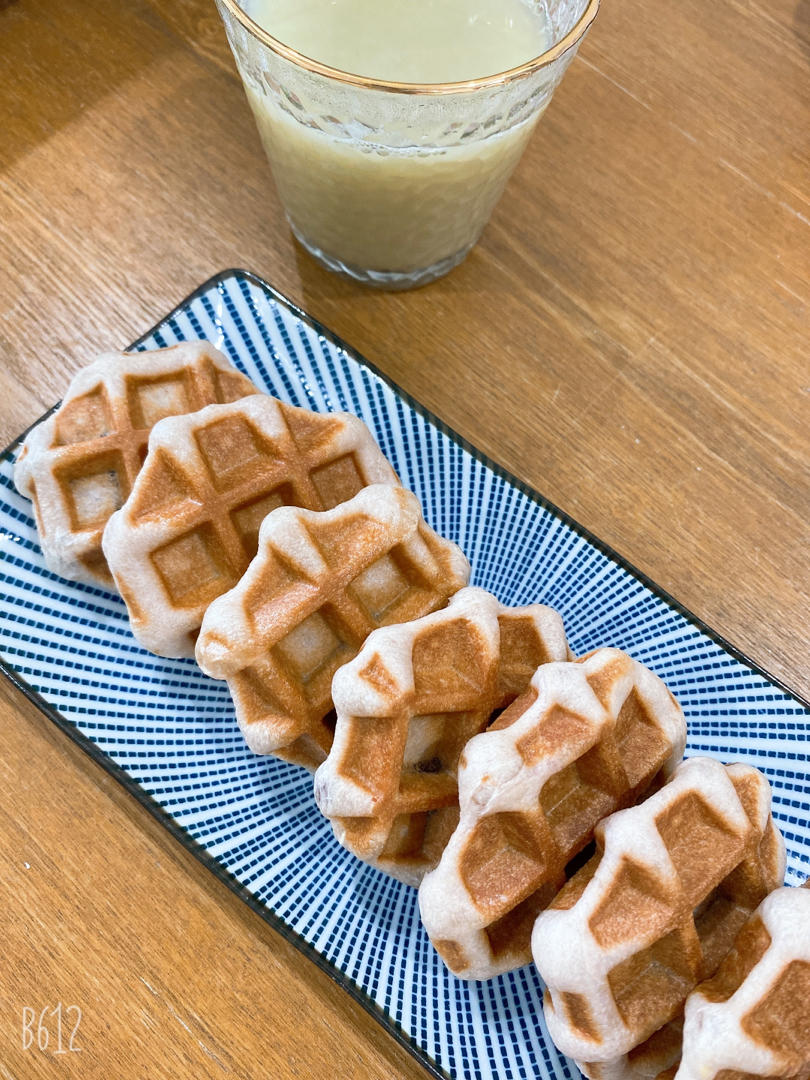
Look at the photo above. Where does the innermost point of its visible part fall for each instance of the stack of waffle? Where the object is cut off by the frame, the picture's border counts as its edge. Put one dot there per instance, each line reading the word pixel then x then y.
pixel 406 707
pixel 538 801
pixel 587 738
pixel 654 912
pixel 79 465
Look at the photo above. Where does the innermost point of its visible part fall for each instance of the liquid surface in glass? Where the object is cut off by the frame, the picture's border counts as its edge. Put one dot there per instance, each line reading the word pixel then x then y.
pixel 423 41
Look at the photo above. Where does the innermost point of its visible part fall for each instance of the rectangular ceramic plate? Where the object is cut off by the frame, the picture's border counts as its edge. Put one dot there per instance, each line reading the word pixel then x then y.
pixel 169 735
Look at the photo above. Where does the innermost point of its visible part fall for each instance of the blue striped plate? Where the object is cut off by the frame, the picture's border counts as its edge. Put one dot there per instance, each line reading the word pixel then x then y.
pixel 169 734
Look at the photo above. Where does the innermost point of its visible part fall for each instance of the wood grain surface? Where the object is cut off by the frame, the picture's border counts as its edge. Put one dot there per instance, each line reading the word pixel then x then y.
pixel 630 337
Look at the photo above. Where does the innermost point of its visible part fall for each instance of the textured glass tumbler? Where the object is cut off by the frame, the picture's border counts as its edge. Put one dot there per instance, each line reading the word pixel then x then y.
pixel 393 183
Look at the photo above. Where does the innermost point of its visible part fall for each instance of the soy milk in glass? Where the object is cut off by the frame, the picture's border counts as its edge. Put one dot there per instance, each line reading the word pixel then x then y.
pixel 392 126
pixel 411 41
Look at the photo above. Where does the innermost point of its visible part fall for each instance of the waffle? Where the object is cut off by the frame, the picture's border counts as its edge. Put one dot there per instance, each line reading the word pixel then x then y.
pixel 190 526
pixel 406 706
pixel 79 464
pixel 656 909
pixel 655 1059
pixel 587 738
pixel 319 585
pixel 753 1018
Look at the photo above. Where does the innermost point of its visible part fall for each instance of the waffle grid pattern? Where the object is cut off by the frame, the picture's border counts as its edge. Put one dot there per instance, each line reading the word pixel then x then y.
pixel 628 983
pixel 389 782
pixel 364 564
pixel 191 525
pixel 173 731
pixel 567 770
pixel 82 463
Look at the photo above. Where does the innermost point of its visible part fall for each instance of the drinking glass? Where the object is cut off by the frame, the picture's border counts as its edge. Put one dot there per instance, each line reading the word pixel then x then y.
pixel 392 183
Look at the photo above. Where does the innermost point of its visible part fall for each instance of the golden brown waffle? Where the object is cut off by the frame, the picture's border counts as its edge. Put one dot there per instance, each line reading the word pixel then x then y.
pixel 319 585
pixel 656 909
pixel 406 706
pixel 753 1018
pixel 190 526
pixel 587 738
pixel 79 464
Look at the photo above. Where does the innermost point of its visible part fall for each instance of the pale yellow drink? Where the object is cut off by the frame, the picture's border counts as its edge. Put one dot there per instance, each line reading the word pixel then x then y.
pixel 385 199
pixel 413 41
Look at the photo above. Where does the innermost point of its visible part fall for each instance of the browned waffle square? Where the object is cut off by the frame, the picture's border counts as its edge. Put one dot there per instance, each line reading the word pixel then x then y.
pixel 656 909
pixel 78 466
pixel 190 526
pixel 321 582
pixel 587 738
pixel 406 706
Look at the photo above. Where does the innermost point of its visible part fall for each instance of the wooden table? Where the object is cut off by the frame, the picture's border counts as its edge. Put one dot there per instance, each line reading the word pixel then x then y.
pixel 630 337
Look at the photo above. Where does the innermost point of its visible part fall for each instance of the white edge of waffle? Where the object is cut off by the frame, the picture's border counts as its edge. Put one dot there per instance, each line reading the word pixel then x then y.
pixel 353 695
pixel 230 639
pixel 494 778
pixel 127 547
pixel 61 544
pixel 565 951
pixel 713 1035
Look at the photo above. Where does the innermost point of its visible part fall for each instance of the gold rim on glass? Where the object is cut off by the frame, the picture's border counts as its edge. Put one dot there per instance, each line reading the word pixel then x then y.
pixel 297 58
